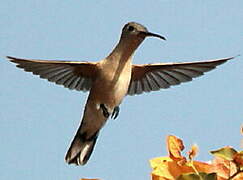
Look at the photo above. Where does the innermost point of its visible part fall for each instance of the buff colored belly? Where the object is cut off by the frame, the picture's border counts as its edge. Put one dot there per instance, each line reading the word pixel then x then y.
pixel 111 92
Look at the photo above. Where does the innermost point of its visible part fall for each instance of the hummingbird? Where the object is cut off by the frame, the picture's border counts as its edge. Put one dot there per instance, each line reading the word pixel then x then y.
pixel 110 80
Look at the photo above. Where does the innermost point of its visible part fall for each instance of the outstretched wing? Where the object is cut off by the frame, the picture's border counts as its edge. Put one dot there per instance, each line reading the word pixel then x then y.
pixel 70 74
pixel 152 77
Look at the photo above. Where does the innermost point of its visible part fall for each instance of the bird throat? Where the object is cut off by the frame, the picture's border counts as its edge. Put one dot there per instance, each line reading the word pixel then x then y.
pixel 125 49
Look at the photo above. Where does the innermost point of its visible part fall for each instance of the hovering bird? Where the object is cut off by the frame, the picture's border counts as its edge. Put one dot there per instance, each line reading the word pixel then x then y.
pixel 110 80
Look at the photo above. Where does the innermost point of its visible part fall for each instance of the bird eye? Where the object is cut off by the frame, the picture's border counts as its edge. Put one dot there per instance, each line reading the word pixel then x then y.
pixel 130 28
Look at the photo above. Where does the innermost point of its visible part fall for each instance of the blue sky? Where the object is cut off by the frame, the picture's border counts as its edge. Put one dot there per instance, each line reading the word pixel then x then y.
pixel 38 119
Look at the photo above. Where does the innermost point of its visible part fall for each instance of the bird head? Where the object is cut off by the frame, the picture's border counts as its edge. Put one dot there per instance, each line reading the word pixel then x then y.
pixel 136 31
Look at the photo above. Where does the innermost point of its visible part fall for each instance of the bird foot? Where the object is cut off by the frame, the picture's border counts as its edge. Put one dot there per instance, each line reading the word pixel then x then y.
pixel 105 110
pixel 115 112
pixel 106 113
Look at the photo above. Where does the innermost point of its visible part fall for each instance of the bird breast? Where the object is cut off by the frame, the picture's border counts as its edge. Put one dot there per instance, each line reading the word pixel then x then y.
pixel 112 84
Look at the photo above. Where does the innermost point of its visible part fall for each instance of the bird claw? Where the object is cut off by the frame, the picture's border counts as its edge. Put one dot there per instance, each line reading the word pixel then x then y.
pixel 115 112
pixel 105 110
pixel 106 113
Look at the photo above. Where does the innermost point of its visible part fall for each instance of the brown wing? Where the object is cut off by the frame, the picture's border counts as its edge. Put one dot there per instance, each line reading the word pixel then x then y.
pixel 152 77
pixel 70 74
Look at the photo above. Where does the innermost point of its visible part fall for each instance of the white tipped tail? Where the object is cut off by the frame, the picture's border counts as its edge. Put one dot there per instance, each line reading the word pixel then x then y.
pixel 80 149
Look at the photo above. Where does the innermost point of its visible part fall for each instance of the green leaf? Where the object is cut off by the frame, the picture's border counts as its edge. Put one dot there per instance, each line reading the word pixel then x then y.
pixel 226 153
pixel 211 176
pixel 201 176
pixel 189 176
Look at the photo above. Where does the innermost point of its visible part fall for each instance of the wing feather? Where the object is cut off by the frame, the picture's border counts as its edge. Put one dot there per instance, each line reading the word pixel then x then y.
pixel 71 74
pixel 152 77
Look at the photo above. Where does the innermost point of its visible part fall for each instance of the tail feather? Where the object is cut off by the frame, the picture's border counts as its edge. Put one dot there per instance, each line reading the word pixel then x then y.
pixel 80 149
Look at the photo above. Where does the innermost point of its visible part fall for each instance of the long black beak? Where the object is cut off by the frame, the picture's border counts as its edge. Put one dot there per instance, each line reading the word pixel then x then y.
pixel 153 34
